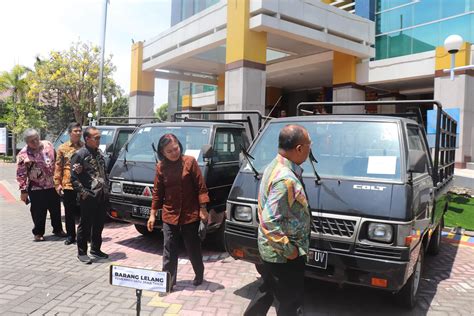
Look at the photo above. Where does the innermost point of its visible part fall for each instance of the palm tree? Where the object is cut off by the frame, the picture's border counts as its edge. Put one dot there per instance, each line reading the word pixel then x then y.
pixel 15 82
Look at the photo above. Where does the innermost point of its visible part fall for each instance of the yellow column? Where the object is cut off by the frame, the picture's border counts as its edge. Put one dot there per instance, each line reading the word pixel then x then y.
pixel 187 102
pixel 243 44
pixel 344 83
pixel 343 69
pixel 141 82
pixel 220 89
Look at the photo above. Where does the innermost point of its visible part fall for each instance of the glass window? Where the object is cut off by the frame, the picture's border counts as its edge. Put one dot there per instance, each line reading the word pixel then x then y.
pixel 227 145
pixel 426 11
pixel 454 7
pixel 425 38
pixel 399 44
pixel 122 138
pixel 343 149
pixel 462 26
pixel 415 142
pixel 140 146
pixel 381 47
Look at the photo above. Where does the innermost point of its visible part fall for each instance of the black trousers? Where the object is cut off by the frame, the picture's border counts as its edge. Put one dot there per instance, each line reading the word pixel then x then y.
pixel 91 224
pixel 41 202
pixel 70 211
pixel 192 242
pixel 282 282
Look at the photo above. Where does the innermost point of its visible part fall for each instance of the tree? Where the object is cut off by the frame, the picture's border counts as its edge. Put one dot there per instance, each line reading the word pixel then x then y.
pixel 162 112
pixel 72 77
pixel 18 113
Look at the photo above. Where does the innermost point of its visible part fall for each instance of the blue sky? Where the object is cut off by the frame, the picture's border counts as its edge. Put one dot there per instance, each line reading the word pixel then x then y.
pixel 35 27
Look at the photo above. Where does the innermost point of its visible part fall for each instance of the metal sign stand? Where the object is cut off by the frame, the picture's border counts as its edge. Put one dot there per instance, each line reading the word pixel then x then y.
pixel 139 301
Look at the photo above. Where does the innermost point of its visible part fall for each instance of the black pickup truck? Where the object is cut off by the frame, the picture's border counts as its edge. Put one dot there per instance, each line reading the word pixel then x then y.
pixel 216 145
pixel 376 196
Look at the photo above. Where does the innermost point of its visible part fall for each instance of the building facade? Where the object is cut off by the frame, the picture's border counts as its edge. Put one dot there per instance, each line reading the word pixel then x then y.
pixel 253 54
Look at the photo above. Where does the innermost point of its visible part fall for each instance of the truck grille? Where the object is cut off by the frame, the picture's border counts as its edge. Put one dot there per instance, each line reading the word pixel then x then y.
pixel 333 226
pixel 378 252
pixel 244 230
pixel 133 188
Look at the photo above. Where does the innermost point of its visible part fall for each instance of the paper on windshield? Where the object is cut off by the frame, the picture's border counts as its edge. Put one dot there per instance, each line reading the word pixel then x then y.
pixel 382 165
pixel 193 152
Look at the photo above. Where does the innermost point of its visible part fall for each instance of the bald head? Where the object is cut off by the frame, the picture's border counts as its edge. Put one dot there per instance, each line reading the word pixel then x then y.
pixel 291 136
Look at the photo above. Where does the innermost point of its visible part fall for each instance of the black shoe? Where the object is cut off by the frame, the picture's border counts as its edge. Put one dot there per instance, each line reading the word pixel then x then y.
pixel 84 259
pixel 69 241
pixel 99 254
pixel 197 281
pixel 60 234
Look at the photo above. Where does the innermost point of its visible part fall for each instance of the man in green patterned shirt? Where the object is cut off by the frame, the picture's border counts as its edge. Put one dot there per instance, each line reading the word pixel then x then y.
pixel 284 230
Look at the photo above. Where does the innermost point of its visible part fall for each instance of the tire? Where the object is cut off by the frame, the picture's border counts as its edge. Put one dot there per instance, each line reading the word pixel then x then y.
pixel 408 295
pixel 435 241
pixel 143 230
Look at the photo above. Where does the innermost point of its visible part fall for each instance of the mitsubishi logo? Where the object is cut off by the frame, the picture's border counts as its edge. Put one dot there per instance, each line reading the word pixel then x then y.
pixel 146 191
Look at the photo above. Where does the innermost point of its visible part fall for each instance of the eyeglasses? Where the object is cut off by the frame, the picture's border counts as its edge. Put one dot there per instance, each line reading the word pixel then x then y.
pixel 96 138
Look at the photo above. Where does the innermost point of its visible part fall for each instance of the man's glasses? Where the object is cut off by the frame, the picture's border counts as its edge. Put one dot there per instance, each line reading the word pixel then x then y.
pixel 96 137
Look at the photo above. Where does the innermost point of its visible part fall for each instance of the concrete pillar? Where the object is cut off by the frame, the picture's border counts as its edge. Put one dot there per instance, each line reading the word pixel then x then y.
pixel 245 77
pixel 457 96
pixel 142 86
pixel 344 86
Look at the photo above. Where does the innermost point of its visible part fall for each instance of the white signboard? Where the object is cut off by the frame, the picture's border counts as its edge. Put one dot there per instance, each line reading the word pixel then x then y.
pixel 142 279
pixel 3 140
pixel 382 165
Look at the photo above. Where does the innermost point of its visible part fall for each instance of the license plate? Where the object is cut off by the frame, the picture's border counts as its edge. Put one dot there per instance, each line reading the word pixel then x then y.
pixel 318 259
pixel 141 211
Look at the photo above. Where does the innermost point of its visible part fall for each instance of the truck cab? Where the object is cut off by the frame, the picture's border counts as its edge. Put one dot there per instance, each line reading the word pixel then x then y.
pixel 216 147
pixel 376 197
pixel 112 139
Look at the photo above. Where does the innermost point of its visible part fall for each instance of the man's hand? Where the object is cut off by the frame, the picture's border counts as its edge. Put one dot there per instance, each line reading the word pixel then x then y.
pixel 77 168
pixel 151 221
pixel 24 197
pixel 59 190
pixel 203 214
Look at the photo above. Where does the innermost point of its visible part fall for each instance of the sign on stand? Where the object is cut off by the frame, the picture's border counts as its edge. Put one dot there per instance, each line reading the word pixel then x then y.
pixel 139 279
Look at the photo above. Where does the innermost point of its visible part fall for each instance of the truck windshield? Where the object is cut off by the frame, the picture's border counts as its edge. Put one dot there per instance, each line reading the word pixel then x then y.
pixel 343 149
pixel 140 146
pixel 106 137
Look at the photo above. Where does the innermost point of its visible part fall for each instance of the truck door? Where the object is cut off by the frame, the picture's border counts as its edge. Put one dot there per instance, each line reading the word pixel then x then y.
pixel 422 182
pixel 224 165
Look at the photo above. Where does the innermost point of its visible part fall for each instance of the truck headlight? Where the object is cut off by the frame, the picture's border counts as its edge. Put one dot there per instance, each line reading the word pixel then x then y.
pixel 242 213
pixel 380 232
pixel 116 187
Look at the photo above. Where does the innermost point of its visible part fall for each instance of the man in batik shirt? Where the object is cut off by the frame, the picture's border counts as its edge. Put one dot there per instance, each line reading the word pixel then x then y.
pixel 34 174
pixel 62 179
pixel 284 226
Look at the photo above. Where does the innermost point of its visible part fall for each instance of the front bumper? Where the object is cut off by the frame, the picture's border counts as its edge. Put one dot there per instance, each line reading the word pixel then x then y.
pixel 123 212
pixel 342 268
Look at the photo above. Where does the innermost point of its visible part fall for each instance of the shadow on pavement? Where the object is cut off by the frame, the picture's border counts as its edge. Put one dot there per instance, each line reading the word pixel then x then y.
pixel 325 298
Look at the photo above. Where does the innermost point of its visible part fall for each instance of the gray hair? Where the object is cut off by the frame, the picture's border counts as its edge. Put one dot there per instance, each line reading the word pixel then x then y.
pixel 29 132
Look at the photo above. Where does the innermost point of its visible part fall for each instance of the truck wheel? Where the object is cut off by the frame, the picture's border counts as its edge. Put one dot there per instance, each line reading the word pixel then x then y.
pixel 143 230
pixel 435 241
pixel 409 293
pixel 219 237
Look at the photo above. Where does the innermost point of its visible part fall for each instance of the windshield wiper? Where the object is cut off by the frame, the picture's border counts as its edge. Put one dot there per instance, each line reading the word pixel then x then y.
pixel 154 152
pixel 313 160
pixel 125 155
pixel 248 157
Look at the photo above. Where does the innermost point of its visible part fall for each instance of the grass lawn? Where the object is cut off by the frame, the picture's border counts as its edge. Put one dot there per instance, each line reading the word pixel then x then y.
pixel 460 212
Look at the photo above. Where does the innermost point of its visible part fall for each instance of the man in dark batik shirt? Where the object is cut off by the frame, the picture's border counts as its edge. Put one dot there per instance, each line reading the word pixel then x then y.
pixel 91 184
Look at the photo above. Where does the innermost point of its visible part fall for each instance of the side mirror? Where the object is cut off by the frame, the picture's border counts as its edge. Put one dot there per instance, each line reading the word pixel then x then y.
pixel 109 148
pixel 417 161
pixel 207 152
